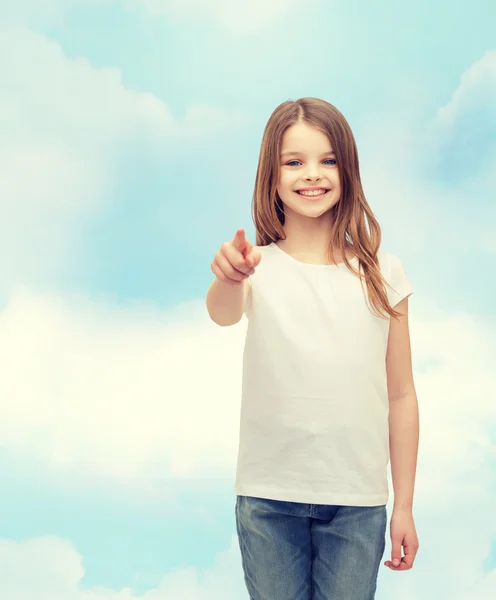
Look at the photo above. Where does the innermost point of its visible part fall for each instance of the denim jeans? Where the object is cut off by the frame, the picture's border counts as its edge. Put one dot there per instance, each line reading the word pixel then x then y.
pixel 296 551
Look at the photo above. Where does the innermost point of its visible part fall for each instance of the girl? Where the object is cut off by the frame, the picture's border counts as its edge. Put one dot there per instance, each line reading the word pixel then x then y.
pixel 328 394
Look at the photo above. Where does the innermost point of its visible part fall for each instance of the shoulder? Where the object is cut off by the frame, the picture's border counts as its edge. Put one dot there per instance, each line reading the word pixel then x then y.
pixel 385 257
pixel 266 250
pixel 268 254
pixel 389 263
pixel 395 275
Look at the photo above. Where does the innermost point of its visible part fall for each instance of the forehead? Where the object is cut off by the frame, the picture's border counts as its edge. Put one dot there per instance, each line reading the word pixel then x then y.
pixel 303 138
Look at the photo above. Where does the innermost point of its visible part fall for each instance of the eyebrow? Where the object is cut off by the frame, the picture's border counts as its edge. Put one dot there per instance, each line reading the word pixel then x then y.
pixel 303 154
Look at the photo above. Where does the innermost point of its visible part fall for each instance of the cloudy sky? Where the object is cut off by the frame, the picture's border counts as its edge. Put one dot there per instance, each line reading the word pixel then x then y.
pixel 129 138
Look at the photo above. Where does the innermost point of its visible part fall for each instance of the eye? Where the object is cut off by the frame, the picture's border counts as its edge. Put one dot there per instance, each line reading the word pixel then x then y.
pixel 296 161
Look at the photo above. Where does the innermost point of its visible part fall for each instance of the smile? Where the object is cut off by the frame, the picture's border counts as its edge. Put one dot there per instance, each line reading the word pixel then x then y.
pixel 314 194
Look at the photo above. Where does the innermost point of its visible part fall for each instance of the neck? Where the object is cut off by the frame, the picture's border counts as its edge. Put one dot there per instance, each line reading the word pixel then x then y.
pixel 307 237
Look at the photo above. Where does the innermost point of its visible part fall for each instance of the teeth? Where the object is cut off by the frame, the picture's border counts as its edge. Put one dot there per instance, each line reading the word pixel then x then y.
pixel 314 193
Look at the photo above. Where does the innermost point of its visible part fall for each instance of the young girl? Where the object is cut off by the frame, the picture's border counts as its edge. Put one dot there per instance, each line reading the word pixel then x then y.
pixel 328 394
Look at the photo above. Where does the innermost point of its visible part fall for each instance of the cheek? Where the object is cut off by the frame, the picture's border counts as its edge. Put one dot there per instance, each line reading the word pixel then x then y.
pixel 286 178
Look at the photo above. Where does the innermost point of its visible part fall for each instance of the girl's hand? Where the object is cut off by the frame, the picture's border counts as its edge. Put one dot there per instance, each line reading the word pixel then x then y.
pixel 236 260
pixel 403 533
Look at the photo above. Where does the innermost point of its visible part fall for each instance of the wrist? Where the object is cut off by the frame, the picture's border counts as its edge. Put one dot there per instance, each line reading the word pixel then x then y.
pixel 403 505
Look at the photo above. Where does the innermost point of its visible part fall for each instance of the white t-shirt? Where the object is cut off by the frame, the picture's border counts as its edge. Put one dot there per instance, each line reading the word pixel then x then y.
pixel 314 410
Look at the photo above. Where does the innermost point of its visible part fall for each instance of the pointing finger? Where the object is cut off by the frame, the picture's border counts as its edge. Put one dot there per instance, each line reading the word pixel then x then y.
pixel 239 240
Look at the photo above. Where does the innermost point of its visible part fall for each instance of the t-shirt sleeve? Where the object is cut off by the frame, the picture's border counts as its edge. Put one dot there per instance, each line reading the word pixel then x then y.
pixel 398 281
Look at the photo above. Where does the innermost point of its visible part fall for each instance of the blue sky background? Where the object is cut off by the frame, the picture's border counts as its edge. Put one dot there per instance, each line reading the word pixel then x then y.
pixel 129 139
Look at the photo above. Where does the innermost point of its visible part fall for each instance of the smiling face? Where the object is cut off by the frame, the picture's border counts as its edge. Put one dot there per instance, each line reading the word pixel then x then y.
pixel 311 164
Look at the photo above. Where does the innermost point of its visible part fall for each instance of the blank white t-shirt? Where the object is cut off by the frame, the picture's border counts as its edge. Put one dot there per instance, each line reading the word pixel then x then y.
pixel 314 410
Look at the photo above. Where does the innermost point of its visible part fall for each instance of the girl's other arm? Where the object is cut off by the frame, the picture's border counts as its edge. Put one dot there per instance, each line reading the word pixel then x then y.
pixel 403 440
pixel 403 409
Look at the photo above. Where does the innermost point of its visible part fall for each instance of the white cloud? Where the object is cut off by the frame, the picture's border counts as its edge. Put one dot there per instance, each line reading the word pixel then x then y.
pixel 477 90
pixel 463 143
pixel 130 393
pixel 135 395
pixel 237 16
pixel 461 139
pixel 118 393
pixel 34 10
pixel 49 568
pixel 130 390
pixel 64 131
pixel 418 174
pixel 39 568
pixel 59 149
pixel 43 12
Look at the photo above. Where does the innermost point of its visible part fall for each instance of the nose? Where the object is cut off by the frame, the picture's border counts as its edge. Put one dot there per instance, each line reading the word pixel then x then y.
pixel 312 173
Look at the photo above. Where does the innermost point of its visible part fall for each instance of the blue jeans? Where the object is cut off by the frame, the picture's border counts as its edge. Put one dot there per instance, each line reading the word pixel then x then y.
pixel 296 551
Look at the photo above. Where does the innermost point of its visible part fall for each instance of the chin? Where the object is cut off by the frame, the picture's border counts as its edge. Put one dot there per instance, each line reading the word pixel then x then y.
pixel 308 210
pixel 316 214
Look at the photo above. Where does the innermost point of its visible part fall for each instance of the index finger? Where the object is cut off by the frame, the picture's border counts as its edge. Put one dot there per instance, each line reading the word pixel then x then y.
pixel 240 242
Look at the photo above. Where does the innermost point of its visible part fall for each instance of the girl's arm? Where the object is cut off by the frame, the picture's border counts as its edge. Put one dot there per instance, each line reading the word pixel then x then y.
pixel 232 266
pixel 226 302
pixel 403 410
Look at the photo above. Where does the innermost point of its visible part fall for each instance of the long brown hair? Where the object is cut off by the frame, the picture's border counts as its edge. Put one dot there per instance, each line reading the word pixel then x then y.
pixel 349 215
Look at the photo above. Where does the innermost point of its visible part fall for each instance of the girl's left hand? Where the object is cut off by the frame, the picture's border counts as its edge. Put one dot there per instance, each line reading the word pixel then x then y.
pixel 403 533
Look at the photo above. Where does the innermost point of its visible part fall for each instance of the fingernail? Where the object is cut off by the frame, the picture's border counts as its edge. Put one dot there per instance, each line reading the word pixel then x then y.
pixel 396 562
